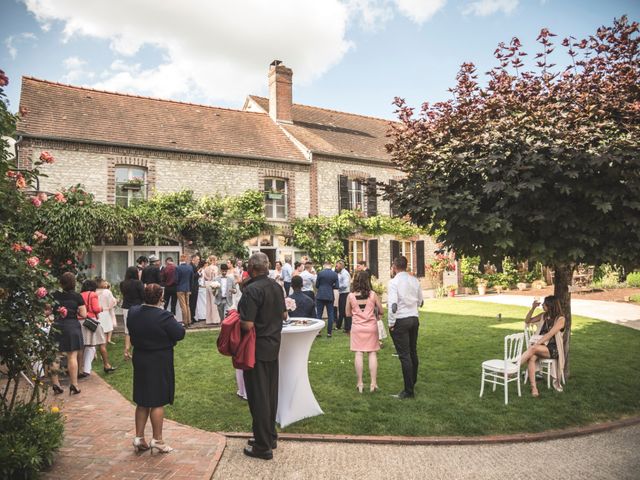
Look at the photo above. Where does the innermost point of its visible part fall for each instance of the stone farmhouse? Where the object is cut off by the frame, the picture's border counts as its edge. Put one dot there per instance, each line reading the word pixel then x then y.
pixel 307 160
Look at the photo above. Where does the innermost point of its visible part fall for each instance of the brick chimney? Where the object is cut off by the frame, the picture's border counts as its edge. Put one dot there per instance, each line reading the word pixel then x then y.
pixel 280 92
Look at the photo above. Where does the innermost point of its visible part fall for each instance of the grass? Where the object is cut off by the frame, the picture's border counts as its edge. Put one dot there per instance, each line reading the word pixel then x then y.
pixel 455 337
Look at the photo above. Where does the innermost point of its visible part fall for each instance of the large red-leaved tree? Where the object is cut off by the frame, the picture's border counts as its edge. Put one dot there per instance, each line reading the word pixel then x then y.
pixel 537 164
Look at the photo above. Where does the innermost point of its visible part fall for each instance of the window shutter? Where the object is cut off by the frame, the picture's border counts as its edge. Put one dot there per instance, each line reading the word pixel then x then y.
pixel 345 255
pixel 372 258
pixel 343 191
pixel 420 258
pixel 372 197
pixel 395 250
pixel 393 211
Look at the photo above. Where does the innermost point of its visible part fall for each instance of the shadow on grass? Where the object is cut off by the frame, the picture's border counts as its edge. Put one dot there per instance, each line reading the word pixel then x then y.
pixel 455 337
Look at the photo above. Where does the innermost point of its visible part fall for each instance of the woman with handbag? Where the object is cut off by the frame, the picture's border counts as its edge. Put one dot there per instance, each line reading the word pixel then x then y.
pixel 544 344
pixel 92 330
pixel 67 330
pixel 361 305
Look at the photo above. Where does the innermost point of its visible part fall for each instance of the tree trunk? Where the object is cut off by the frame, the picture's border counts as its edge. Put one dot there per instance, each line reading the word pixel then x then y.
pixel 561 282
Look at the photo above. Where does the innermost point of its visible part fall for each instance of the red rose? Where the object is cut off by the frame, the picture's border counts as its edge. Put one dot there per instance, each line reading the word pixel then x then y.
pixel 46 157
pixel 33 261
pixel 41 292
pixel 12 174
pixel 47 262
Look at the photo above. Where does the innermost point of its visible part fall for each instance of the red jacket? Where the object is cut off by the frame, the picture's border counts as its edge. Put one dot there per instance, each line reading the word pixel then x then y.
pixel 232 341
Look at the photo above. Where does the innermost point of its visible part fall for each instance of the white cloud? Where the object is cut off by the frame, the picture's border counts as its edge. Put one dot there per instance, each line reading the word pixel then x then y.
pixel 211 49
pixel 370 14
pixel 419 11
pixel 76 70
pixel 11 41
pixel 489 7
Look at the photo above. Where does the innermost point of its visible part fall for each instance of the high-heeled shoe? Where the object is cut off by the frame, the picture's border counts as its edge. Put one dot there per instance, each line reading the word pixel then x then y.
pixel 360 386
pixel 139 445
pixel 73 390
pixel 373 388
pixel 57 389
pixel 160 446
pixel 109 370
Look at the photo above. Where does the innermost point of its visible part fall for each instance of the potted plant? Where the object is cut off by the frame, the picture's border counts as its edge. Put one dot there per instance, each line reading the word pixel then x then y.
pixel 275 194
pixel 481 283
pixel 452 290
pixel 522 286
pixel 134 183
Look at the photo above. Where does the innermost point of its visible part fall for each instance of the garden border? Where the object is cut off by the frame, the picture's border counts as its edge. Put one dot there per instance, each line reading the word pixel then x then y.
pixel 454 440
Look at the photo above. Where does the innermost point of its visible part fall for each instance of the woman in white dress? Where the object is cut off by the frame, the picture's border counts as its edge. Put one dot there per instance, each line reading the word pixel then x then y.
pixel 201 304
pixel 108 303
pixel 209 273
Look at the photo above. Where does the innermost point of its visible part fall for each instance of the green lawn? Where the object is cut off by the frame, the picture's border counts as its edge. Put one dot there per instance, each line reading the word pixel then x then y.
pixel 455 337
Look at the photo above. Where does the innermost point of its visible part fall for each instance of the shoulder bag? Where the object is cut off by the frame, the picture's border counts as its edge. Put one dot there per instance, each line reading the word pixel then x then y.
pixel 90 323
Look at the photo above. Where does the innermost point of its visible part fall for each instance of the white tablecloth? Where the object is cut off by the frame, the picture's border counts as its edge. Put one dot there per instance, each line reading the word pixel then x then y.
pixel 295 398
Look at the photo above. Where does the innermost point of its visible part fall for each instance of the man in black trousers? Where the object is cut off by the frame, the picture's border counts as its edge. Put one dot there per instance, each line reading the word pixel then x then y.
pixel 195 286
pixel 262 307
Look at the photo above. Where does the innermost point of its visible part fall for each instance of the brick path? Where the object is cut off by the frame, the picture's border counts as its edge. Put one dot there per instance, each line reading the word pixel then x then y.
pixel 99 430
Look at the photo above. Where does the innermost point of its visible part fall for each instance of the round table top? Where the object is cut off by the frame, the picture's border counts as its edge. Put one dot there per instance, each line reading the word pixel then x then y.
pixel 313 326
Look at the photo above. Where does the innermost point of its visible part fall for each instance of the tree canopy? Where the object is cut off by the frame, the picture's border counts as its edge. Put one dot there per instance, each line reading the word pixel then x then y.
pixel 537 163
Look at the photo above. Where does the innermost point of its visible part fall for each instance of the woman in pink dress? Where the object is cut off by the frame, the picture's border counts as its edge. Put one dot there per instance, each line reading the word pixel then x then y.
pixel 362 304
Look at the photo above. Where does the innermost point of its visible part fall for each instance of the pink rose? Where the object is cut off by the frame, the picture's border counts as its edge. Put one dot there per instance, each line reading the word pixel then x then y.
pixel 47 262
pixel 27 248
pixel 36 201
pixel 60 197
pixel 80 203
pixel 69 262
pixel 33 261
pixel 20 181
pixel 62 311
pixel 43 197
pixel 16 247
pixel 46 157
pixel 41 292
pixel 12 174
pixel 38 236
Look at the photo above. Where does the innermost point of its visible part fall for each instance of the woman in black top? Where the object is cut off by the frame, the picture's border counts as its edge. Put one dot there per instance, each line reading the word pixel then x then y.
pixel 545 345
pixel 132 291
pixel 67 330
pixel 154 332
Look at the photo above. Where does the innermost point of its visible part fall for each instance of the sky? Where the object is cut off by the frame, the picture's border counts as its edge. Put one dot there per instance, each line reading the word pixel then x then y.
pixel 348 55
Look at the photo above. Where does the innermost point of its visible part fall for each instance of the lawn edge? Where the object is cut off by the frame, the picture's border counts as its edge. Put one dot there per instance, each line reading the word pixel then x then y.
pixel 454 440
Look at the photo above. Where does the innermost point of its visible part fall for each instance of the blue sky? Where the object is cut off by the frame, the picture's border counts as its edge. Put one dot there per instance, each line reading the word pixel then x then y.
pixel 349 55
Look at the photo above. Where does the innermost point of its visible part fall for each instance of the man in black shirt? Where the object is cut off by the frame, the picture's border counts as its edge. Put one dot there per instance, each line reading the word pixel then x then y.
pixel 262 307
pixel 151 273
pixel 304 305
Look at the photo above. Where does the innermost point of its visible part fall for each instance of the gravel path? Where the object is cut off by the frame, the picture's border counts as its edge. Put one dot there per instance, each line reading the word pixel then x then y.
pixel 611 455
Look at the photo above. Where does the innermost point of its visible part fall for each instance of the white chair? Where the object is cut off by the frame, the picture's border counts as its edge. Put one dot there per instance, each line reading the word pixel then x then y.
pixel 503 371
pixel 546 365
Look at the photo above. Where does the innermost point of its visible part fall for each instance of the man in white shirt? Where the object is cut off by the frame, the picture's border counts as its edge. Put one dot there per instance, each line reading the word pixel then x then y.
pixel 344 283
pixel 403 300
pixel 308 280
pixel 287 271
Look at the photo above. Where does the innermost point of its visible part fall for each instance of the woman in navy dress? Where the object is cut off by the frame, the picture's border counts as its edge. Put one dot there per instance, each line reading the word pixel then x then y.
pixel 154 332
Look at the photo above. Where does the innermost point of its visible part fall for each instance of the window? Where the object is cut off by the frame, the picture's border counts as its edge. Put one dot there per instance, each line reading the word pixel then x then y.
pixel 275 198
pixel 406 250
pixel 356 195
pixel 357 253
pixel 131 185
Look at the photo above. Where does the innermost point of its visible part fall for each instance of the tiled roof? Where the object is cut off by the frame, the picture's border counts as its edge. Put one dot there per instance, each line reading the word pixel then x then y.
pixel 338 133
pixel 73 113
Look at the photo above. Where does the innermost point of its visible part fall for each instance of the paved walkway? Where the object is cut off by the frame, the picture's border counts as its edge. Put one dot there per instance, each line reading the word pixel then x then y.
pixel 612 455
pixel 99 430
pixel 613 312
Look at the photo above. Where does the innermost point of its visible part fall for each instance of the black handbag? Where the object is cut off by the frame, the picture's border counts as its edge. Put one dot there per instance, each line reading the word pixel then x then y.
pixel 90 323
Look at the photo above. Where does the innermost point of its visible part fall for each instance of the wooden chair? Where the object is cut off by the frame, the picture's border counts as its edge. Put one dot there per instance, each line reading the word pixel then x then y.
pixel 505 370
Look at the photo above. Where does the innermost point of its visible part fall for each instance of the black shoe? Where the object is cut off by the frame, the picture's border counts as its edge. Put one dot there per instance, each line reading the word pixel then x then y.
pixel 110 369
pixel 402 395
pixel 83 375
pixel 250 452
pixel 252 443
pixel 57 390
pixel 73 390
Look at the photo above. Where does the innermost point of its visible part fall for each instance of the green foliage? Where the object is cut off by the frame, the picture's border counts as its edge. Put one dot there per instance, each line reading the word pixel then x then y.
pixel 29 438
pixel 633 280
pixel 635 298
pixel 532 164
pixel 321 237
pixel 608 276
pixel 470 268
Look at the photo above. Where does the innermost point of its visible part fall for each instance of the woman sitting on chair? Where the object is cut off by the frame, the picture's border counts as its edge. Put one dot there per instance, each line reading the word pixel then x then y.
pixel 544 344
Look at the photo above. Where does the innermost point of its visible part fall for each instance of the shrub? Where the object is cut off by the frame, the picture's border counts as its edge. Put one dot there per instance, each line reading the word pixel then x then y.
pixel 633 279
pixel 608 276
pixel 469 266
pixel 29 437
pixel 635 298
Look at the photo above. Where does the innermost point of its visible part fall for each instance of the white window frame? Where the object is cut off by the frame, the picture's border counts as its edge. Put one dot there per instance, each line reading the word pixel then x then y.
pixel 356 194
pixel 270 205
pixel 130 175
pixel 406 250
pixel 357 247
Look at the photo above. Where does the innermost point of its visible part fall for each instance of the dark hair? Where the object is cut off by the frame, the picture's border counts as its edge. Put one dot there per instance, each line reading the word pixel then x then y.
pixel 168 259
pixel 362 283
pixel 400 263
pixel 308 263
pixel 554 310
pixel 362 262
pixel 224 267
pixel 278 262
pixel 89 286
pixel 296 264
pixel 131 273
pixel 194 256
pixel 152 293
pixel 296 282
pixel 141 259
pixel 68 281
